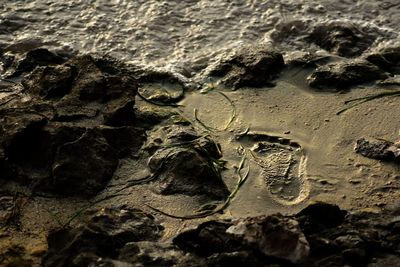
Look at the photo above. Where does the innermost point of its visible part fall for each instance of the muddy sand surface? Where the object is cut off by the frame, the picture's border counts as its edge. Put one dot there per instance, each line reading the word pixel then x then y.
pixel 92 144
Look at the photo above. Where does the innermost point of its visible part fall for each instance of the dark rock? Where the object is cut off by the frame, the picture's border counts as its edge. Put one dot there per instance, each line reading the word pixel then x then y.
pixel 319 216
pixel 103 235
pixel 275 240
pixel 265 239
pixel 58 140
pixel 186 171
pixel 147 253
pixel 123 140
pixel 386 58
pixel 24 146
pixel 183 162
pixel 178 134
pixel 341 39
pixel 14 122
pixel 250 67
pixel 61 158
pixel 37 57
pixel 273 236
pixel 207 239
pixel 92 83
pixel 119 112
pixel 170 135
pixel 83 166
pixel 355 256
pixel 378 149
pixel 148 116
pixel 85 86
pixel 342 75
pixel 50 81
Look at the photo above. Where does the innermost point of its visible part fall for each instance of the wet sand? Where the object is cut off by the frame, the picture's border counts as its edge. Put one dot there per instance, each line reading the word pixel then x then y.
pixel 313 146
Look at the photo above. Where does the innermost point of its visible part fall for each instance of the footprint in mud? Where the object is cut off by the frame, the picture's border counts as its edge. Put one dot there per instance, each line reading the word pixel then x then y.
pixel 282 164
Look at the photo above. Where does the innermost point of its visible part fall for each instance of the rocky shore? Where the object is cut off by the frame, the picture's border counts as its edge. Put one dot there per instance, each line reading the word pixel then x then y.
pixel 88 128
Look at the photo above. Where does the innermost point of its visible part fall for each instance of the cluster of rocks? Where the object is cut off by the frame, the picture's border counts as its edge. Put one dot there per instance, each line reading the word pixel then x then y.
pixel 321 234
pixel 69 121
pixel 69 125
pixel 353 63
pixel 66 128
pixel 73 120
pixel 359 63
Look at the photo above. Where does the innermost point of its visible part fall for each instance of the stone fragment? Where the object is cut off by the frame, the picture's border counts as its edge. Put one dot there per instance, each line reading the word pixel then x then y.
pixel 83 166
pixel 319 216
pixel 186 171
pixel 50 81
pixel 184 163
pixel 341 39
pixel 106 232
pixel 274 236
pixel 148 253
pixel 378 149
pixel 344 74
pixel 249 67
pixel 85 86
pixel 37 57
pixel 386 58
pixel 207 239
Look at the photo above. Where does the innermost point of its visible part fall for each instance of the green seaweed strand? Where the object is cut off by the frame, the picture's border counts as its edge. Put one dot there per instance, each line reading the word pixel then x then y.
pixel 361 100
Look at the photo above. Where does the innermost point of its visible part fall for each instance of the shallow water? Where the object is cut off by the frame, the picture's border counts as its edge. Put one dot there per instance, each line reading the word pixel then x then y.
pixel 183 35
